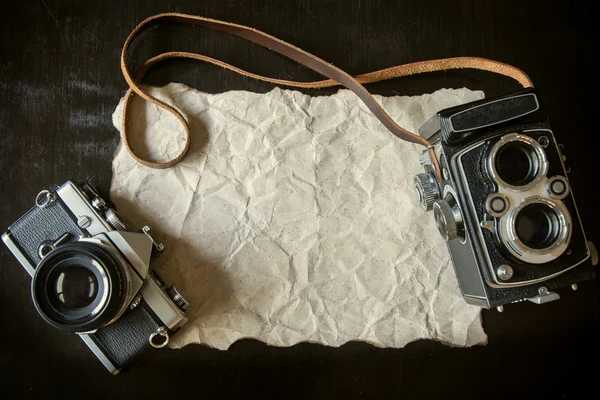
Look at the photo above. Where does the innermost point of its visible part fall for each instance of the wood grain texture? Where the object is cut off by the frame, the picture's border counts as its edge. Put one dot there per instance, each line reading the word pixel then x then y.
pixel 60 82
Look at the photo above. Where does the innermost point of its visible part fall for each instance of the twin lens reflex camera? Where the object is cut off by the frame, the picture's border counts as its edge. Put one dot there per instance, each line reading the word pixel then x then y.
pixel 92 277
pixel 504 203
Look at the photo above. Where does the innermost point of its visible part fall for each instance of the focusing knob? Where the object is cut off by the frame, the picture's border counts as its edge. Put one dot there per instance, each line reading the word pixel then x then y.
pixel 427 190
pixel 445 220
pixel 114 220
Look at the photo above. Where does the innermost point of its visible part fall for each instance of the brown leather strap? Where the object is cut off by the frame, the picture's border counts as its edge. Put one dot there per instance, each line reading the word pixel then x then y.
pixel 336 76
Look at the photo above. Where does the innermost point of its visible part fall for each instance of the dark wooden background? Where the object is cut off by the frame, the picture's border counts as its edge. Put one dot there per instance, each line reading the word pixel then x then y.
pixel 60 82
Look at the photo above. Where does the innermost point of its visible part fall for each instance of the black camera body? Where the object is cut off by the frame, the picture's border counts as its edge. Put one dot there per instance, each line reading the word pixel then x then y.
pixel 92 277
pixel 504 203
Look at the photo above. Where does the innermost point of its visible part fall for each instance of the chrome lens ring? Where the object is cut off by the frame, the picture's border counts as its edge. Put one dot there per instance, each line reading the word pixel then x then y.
pixel 561 231
pixel 557 187
pixel 540 161
pixel 79 287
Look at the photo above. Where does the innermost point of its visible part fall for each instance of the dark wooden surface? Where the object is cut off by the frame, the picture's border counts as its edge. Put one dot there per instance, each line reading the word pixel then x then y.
pixel 60 82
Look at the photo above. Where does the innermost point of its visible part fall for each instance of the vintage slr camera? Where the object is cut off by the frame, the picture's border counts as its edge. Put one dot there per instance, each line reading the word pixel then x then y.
pixel 92 277
pixel 504 203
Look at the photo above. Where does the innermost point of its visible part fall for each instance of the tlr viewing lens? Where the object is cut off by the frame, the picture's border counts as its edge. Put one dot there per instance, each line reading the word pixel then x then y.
pixel 517 163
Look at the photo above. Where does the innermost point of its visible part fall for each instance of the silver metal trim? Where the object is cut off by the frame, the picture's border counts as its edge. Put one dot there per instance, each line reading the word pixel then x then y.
pixel 179 298
pixel 113 218
pixel 158 246
pixel 476 297
pixel 164 308
pixel 445 220
pixel 427 190
pixel 47 200
pixel 504 272
pixel 539 280
pixel 489 225
pixel 79 205
pixel 513 243
pixel 104 298
pixel 543 141
pixel 544 297
pixel 17 253
pixel 497 122
pixel 517 137
pixel 562 163
pixel 449 191
pixel 136 247
pixel 553 179
pixel 99 354
pixel 134 282
pixel 496 284
pixel 490 199
pixel 51 245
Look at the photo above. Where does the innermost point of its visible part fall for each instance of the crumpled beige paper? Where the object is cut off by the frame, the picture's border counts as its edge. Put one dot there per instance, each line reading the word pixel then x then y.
pixel 294 219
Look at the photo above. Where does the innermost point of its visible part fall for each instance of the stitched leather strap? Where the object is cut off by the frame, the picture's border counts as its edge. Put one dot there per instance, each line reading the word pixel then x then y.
pixel 336 76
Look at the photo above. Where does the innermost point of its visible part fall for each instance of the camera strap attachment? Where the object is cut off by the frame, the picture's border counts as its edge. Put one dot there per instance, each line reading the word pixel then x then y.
pixel 336 76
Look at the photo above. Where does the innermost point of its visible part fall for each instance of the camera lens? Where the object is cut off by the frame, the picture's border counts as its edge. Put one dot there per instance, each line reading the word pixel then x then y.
pixel 79 287
pixel 537 226
pixel 537 230
pixel 76 287
pixel 517 163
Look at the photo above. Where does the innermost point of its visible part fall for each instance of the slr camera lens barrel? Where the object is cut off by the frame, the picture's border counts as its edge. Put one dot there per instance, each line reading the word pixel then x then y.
pixel 79 287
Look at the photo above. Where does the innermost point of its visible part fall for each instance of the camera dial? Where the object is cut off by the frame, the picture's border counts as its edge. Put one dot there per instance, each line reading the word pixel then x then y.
pixel 178 298
pixel 448 218
pixel 115 220
pixel 427 190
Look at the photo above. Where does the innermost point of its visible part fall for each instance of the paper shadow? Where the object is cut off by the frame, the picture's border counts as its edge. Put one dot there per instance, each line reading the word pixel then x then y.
pixel 204 283
pixel 179 264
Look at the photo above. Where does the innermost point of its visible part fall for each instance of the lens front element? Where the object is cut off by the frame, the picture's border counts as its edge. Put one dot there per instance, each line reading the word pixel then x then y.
pixel 537 230
pixel 537 226
pixel 76 287
pixel 517 162
pixel 79 287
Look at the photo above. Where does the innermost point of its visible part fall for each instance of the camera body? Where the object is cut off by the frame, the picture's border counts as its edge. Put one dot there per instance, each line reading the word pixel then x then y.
pixel 504 203
pixel 92 277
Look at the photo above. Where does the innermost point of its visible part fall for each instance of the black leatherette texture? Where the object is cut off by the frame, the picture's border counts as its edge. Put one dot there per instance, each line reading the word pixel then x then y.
pixel 43 224
pixel 125 342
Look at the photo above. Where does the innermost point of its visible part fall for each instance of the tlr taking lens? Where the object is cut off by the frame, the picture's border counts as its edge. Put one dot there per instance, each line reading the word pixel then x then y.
pixel 537 226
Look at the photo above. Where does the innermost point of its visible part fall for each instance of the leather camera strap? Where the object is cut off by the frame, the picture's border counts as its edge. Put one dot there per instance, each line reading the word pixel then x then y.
pixel 336 76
